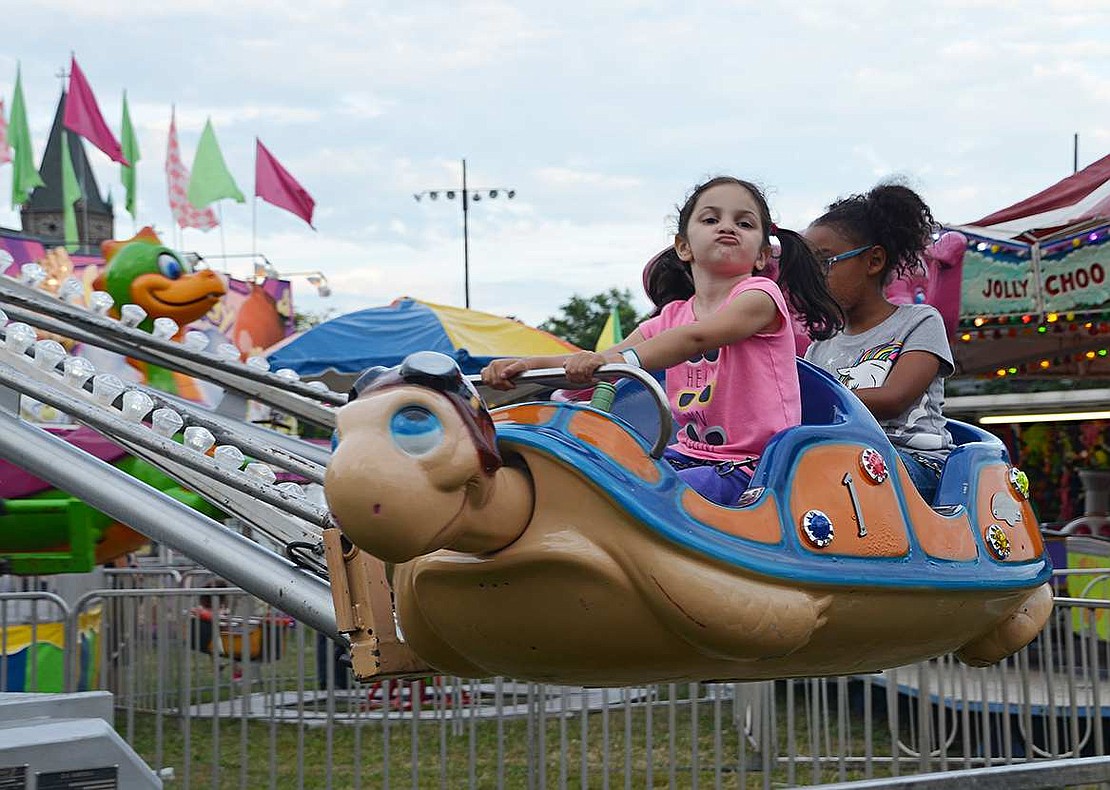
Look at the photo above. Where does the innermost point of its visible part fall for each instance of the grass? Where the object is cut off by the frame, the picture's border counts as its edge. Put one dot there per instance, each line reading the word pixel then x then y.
pixel 369 754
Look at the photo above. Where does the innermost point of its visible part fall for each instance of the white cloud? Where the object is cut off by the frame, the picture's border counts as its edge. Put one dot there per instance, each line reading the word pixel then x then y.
pixel 601 117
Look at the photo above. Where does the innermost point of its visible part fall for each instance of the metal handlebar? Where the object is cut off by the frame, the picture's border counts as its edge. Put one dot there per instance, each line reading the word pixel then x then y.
pixel 556 377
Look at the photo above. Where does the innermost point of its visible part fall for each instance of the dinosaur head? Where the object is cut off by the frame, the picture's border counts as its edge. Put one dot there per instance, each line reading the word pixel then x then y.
pixel 143 271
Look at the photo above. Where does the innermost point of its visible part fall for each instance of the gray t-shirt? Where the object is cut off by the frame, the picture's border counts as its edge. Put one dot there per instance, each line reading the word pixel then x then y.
pixel 864 360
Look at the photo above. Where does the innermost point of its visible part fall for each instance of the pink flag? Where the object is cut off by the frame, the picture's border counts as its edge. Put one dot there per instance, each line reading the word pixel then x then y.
pixel 274 184
pixel 83 116
pixel 5 149
pixel 177 185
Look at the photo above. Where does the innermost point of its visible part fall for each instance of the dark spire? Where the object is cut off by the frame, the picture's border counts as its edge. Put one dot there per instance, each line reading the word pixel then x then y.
pixel 42 214
pixel 49 197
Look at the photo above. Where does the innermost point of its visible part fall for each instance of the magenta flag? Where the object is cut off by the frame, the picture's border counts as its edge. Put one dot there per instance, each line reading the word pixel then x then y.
pixel 83 116
pixel 274 184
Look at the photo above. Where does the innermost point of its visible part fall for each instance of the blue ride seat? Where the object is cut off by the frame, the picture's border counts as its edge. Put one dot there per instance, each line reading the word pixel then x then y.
pixel 831 412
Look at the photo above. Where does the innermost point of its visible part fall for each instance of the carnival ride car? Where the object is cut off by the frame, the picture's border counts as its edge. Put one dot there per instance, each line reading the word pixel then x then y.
pixel 548 541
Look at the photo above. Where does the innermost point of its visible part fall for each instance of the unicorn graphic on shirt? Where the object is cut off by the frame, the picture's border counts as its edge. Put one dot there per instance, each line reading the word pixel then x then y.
pixel 872 366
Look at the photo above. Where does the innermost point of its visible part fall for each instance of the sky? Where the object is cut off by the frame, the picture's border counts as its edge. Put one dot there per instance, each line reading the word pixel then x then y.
pixel 601 115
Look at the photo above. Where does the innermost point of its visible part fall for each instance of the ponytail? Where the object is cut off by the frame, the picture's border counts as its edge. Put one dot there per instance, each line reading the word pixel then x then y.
pixel 804 285
pixel 667 278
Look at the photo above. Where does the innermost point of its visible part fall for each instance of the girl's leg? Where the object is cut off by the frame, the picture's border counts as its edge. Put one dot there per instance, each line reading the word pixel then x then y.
pixel 925 473
pixel 720 483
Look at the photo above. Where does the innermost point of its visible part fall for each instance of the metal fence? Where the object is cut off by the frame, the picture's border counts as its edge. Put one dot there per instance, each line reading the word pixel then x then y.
pixel 217 689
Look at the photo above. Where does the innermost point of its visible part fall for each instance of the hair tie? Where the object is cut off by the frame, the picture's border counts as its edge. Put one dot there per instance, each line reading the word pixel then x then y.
pixel 773 240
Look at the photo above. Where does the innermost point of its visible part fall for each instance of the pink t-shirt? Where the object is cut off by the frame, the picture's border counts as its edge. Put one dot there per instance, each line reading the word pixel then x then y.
pixel 729 402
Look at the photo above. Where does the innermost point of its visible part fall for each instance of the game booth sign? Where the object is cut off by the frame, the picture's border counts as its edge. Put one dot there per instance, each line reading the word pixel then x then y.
pixel 1036 304
pixel 1036 277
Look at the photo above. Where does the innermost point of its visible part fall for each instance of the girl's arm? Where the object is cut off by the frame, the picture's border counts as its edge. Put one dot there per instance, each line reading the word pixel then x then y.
pixel 499 373
pixel 750 312
pixel 907 381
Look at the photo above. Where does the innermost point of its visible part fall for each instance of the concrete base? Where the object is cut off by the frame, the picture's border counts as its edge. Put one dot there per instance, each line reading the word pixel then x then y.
pixel 66 740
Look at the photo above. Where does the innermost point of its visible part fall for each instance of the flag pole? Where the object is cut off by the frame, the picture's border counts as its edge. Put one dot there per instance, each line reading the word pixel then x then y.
pixel 223 247
pixel 254 207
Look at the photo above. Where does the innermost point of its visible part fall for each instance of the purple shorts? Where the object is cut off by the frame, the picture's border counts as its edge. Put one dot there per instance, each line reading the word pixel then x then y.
pixel 718 481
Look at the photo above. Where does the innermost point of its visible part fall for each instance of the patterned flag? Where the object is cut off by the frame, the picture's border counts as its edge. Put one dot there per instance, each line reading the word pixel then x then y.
pixel 276 185
pixel 177 184
pixel 83 115
pixel 5 149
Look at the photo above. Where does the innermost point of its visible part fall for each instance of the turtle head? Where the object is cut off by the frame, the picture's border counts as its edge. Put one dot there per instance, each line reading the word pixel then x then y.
pixel 416 446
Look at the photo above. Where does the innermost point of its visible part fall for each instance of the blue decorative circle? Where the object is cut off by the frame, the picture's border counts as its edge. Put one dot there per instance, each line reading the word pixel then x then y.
pixel 818 528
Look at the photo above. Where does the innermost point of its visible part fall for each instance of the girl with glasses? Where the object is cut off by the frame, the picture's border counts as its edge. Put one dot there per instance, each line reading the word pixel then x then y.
pixel 722 332
pixel 894 357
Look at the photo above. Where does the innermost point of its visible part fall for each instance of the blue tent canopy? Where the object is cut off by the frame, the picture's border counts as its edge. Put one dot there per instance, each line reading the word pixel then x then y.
pixel 386 335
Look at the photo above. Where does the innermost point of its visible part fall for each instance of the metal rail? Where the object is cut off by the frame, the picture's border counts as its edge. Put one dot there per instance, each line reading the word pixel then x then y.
pixel 243 562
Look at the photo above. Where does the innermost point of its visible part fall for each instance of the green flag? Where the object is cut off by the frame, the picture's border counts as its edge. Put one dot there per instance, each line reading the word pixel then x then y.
pixel 71 193
pixel 211 180
pixel 24 175
pixel 610 333
pixel 130 146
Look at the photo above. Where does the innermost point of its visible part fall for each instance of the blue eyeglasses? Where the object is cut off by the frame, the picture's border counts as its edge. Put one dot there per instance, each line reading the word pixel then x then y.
pixel 827 263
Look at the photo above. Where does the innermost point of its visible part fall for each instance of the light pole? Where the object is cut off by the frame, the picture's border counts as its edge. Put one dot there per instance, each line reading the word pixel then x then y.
pixel 467 196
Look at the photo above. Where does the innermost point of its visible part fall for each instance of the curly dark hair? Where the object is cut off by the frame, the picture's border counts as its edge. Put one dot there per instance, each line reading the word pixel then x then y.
pixel 891 216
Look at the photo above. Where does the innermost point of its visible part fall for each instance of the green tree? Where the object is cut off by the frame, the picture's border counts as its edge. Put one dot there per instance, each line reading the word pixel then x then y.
pixel 581 319
pixel 307 319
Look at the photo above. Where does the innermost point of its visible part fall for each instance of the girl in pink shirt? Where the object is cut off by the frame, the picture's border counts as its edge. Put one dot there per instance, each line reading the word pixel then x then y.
pixel 723 333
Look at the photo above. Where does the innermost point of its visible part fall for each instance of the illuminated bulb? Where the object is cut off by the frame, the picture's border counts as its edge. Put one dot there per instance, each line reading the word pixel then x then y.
pixel 1090 355
pixel 258 362
pixel 261 471
pixel 1044 363
pixel 288 374
pixel 199 439
pixel 1052 318
pixel 965 337
pixel 195 340
pixel 48 353
pixel 228 456
pixel 19 337
pixel 71 290
pixel 132 314
pixel 979 321
pixel 228 352
pixel 166 422
pixel 106 387
pixel 295 490
pixel 165 327
pixel 32 273
pixel 136 405
pixel 101 302
pixel 1000 372
pixel 77 370
pixel 981 246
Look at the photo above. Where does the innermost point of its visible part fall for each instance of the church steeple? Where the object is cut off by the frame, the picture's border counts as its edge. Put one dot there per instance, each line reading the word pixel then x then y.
pixel 42 214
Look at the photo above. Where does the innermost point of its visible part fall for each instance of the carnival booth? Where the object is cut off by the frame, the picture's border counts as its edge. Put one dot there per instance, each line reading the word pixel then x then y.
pixel 1036 304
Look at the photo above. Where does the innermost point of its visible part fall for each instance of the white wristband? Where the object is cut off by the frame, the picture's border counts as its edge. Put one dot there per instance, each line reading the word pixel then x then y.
pixel 631 357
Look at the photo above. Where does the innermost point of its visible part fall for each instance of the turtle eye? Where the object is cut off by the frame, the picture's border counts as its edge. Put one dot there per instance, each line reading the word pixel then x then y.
pixel 415 430
pixel 170 266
